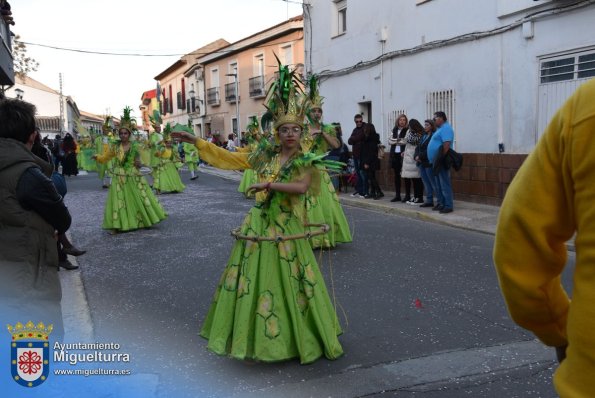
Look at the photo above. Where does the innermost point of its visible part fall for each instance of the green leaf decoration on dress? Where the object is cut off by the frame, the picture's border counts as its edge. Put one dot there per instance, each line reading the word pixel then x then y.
pixel 308 289
pixel 302 302
pixel 264 306
pixel 251 246
pixel 309 274
pixel 285 248
pixel 243 286
pixel 294 268
pixel 231 278
pixel 272 328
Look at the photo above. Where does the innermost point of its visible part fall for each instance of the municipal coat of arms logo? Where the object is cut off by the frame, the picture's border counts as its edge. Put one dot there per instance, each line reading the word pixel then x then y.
pixel 30 353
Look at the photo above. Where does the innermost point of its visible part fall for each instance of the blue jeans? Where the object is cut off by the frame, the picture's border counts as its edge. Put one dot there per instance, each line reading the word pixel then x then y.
pixel 444 188
pixel 334 179
pixel 362 179
pixel 427 176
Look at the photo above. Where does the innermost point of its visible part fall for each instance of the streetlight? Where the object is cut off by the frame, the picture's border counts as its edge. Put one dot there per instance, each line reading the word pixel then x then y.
pixel 235 77
pixel 19 93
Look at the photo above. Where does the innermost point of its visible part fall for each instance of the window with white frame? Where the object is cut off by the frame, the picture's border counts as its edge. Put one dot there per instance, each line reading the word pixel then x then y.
pixel 340 17
pixel 232 70
pixel 215 77
pixel 559 76
pixel 258 65
pixel 567 67
pixel 286 56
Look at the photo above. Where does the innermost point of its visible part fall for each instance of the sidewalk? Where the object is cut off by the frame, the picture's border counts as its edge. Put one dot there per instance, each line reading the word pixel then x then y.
pixel 466 215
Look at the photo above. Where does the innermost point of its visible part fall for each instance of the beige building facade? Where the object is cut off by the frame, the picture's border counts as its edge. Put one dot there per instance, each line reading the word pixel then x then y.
pixel 173 86
pixel 237 76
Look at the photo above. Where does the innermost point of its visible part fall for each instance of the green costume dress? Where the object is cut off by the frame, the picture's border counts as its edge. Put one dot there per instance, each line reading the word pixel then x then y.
pixel 248 178
pixel 271 303
pixel 130 202
pixel 165 176
pixel 190 156
pixel 325 207
pixel 101 146
pixel 153 143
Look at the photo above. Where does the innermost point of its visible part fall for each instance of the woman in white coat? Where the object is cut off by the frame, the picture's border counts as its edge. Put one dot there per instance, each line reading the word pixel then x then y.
pixel 410 171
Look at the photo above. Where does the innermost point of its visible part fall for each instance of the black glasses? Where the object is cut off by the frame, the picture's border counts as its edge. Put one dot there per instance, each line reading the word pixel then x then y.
pixel 287 130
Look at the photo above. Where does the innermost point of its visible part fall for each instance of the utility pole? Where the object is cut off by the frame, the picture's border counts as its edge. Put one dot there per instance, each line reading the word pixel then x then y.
pixel 61 107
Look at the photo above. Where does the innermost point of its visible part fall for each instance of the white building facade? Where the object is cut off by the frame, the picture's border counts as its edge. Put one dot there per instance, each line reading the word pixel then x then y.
pixel 498 68
pixel 47 102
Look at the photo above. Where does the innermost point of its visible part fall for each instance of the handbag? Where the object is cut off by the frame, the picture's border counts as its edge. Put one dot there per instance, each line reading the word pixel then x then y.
pixel 455 159
pixel 381 151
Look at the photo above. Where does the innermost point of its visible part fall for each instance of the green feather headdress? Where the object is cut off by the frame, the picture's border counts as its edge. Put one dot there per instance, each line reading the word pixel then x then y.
pixel 155 119
pixel 179 127
pixel 285 99
pixel 128 122
pixel 107 124
pixel 316 100
pixel 167 132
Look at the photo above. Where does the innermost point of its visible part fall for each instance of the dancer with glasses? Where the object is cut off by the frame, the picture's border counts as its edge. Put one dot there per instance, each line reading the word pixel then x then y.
pixel 272 303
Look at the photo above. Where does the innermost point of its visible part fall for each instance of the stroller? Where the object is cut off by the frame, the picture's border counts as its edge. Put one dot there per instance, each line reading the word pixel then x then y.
pixel 349 176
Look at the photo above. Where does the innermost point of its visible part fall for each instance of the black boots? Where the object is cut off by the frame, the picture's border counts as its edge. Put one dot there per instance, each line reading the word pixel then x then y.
pixel 375 194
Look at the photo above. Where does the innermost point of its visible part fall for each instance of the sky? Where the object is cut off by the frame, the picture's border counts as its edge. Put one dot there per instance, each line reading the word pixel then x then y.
pixel 105 84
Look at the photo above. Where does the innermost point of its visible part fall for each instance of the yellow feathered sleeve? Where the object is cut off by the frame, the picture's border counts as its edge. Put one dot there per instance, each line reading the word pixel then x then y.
pixel 107 155
pixel 221 158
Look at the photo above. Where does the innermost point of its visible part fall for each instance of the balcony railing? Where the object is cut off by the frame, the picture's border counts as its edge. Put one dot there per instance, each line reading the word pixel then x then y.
pixel 257 87
pixel 230 92
pixel 213 96
pixel 192 106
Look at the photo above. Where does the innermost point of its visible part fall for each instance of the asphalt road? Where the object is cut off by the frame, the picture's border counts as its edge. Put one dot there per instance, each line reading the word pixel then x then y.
pixel 419 304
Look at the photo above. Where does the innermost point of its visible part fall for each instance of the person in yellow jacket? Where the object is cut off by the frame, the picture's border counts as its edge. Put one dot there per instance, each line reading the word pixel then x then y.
pixel 551 198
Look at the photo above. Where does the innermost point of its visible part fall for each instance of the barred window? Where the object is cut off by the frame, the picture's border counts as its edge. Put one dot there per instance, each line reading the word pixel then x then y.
pixel 568 67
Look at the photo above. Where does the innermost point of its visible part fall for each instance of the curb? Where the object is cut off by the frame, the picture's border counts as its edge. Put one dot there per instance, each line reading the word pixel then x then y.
pixel 413 214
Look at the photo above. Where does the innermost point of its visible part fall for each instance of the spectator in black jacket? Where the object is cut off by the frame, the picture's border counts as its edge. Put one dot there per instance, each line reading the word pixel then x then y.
pixel 370 161
pixel 356 140
pixel 397 148
pixel 64 245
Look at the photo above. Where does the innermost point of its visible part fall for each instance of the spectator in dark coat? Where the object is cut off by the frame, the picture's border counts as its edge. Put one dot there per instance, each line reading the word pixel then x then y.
pixel 370 161
pixel 69 164
pixel 32 213
pixel 355 140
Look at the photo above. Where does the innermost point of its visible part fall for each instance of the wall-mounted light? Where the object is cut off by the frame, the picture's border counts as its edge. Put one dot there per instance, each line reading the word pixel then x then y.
pixel 19 93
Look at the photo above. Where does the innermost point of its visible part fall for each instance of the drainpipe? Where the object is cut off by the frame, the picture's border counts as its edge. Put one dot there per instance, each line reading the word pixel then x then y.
pixel 501 99
pixel 383 37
